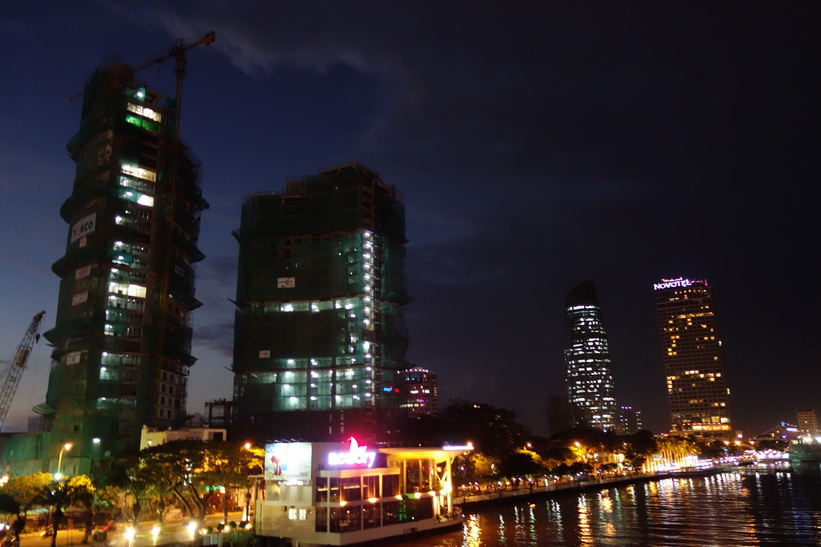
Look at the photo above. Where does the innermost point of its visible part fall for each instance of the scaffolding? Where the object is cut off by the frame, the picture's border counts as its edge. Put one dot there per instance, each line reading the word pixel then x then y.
pixel 319 326
pixel 122 338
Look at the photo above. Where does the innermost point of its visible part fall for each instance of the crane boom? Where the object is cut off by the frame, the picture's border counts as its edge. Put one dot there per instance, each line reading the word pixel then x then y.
pixel 18 363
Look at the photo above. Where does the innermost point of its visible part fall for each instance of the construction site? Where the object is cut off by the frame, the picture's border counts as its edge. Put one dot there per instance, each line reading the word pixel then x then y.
pixel 121 343
pixel 319 329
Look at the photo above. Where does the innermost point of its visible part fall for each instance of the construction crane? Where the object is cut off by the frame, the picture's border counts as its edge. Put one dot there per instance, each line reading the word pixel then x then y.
pixel 18 363
pixel 178 52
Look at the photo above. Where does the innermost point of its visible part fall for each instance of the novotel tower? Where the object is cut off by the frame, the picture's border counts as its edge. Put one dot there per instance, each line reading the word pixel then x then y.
pixel 693 362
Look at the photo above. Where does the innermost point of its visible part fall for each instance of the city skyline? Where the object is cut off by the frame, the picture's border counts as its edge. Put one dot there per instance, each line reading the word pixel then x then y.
pixel 533 146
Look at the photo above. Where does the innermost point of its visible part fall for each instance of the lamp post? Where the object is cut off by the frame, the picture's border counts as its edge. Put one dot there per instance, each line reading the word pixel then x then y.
pixel 66 447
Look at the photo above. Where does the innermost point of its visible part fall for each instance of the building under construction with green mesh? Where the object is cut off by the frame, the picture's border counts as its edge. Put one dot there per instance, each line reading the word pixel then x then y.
pixel 122 338
pixel 319 333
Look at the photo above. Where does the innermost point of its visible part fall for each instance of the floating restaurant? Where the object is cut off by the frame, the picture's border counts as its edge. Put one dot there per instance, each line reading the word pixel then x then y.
pixel 346 493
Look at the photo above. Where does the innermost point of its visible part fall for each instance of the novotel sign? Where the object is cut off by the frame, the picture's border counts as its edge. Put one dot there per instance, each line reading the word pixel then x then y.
pixel 676 283
pixel 355 455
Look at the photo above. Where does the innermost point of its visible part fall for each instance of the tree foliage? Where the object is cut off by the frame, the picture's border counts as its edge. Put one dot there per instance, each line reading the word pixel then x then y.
pixel 61 494
pixel 25 489
pixel 184 469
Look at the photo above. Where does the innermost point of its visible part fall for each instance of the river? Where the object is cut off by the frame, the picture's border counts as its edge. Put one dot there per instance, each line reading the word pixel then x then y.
pixel 763 508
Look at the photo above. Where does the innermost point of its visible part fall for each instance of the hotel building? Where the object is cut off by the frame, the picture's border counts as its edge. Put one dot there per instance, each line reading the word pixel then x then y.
pixel 693 360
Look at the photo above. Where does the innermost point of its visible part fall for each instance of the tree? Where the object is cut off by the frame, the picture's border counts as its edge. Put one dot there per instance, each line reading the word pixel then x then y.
pixel 519 464
pixel 24 489
pixel 8 505
pixel 640 445
pixel 493 431
pixel 169 470
pixel 185 469
pixel 61 494
pixel 228 465
pixel 97 500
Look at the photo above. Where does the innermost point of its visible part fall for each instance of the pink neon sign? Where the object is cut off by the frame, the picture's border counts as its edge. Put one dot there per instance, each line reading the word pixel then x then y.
pixel 356 455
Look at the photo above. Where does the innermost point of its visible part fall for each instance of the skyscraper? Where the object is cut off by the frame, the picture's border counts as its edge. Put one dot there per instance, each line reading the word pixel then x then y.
pixel 421 392
pixel 693 361
pixel 122 338
pixel 591 393
pixel 319 337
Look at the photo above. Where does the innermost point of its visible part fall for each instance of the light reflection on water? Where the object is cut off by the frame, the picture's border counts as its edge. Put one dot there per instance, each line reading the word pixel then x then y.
pixel 725 509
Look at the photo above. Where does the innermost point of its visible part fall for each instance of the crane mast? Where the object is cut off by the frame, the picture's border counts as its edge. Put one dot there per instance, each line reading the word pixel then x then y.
pixel 18 363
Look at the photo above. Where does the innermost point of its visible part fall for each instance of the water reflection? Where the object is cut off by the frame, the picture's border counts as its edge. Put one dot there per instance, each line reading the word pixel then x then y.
pixel 726 509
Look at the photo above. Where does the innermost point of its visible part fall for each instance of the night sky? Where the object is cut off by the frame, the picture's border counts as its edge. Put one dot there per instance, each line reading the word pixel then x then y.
pixel 535 145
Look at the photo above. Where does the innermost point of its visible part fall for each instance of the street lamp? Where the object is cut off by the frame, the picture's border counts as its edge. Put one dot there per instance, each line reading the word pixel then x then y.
pixel 66 447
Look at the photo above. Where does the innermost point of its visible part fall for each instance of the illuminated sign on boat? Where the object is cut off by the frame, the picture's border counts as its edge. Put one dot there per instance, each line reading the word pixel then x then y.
pixel 356 455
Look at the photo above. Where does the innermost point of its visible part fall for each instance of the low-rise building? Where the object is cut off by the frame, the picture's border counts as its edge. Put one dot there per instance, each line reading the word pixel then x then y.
pixel 345 493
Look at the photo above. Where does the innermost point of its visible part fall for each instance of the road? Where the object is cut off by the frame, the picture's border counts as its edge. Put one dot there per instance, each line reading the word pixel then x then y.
pixel 174 532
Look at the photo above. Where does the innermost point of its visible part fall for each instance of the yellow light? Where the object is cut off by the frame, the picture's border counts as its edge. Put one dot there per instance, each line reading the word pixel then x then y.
pixel 130 533
pixel 372 500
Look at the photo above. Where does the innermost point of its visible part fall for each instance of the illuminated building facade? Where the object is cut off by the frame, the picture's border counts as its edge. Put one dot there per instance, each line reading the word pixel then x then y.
pixel 693 361
pixel 349 493
pixel 591 393
pixel 319 335
pixel 421 392
pixel 122 336
pixel 807 422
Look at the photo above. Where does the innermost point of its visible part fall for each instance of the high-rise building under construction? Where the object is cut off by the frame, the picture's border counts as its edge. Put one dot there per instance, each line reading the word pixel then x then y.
pixel 693 359
pixel 319 337
pixel 122 338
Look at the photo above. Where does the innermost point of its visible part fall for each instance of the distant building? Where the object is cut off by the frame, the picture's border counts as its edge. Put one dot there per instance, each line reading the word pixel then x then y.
pixel 629 421
pixel 782 432
pixel 219 413
pixel 421 392
pixel 693 359
pixel 122 338
pixel 590 388
pixel 319 331
pixel 559 417
pixel 154 437
pixel 807 422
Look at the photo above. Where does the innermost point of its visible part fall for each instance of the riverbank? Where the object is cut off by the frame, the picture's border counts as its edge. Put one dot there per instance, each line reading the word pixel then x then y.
pixel 524 493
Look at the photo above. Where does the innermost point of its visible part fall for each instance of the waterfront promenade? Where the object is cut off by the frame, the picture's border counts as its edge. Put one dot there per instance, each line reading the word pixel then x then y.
pixel 524 491
pixel 177 532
